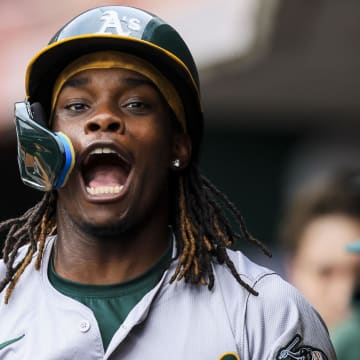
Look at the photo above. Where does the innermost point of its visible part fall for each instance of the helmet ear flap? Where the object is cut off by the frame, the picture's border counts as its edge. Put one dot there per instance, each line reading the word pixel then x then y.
pixel 45 158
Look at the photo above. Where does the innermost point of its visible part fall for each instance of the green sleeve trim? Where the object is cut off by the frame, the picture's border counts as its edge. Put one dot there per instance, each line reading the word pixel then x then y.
pixel 6 343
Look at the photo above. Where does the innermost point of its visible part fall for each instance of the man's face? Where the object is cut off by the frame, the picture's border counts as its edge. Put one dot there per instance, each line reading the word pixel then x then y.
pixel 322 269
pixel 124 142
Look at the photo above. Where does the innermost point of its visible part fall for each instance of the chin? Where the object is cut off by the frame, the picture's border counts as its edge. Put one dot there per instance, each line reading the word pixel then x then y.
pixel 105 231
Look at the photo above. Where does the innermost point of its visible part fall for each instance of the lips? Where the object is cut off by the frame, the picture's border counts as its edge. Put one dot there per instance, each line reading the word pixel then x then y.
pixel 105 170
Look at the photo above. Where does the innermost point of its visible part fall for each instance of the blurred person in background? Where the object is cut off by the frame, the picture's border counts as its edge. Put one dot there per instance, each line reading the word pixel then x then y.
pixel 346 337
pixel 320 220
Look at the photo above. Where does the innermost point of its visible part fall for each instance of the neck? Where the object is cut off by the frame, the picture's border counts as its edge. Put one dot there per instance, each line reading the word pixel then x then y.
pixel 81 256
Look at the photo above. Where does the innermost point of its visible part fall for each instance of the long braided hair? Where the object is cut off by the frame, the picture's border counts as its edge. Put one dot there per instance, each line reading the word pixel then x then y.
pixel 199 220
pixel 203 230
pixel 31 228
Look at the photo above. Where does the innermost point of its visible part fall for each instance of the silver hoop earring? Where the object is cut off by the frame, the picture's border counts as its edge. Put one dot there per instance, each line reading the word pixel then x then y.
pixel 176 163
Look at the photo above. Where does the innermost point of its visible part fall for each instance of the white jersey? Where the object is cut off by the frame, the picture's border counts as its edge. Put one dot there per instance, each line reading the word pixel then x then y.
pixel 173 321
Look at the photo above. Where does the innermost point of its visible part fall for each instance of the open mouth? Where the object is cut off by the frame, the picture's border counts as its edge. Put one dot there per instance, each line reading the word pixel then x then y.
pixel 105 172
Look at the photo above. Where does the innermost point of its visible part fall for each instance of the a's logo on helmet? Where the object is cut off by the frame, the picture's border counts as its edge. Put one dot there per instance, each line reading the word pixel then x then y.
pixel 112 24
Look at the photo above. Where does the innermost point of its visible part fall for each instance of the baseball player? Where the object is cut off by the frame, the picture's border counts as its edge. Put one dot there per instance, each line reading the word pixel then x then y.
pixel 127 255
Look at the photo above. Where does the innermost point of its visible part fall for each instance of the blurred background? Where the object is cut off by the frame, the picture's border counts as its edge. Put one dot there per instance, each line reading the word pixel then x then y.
pixel 280 86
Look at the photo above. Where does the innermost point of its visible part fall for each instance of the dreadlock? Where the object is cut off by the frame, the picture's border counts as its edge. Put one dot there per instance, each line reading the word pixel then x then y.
pixel 202 231
pixel 32 228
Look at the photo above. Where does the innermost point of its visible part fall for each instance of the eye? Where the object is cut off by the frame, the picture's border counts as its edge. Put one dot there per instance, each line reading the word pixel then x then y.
pixel 137 105
pixel 76 107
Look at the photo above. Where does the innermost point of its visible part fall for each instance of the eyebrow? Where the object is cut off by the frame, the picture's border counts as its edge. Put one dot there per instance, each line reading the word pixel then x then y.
pixel 76 82
pixel 138 81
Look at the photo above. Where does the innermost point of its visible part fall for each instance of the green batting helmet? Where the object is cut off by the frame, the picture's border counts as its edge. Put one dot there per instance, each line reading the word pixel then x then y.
pixel 125 29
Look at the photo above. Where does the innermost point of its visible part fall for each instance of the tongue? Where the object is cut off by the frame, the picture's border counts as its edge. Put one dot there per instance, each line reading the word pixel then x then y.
pixel 105 175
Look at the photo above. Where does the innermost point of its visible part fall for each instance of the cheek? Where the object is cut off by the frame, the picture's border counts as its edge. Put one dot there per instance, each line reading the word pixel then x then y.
pixel 153 139
pixel 56 122
pixel 72 130
pixel 65 126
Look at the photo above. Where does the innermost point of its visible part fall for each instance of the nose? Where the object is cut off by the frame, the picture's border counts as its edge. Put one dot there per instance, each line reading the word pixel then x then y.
pixel 105 122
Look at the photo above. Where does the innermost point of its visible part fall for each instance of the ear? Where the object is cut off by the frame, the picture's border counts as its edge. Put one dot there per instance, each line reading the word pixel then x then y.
pixel 181 151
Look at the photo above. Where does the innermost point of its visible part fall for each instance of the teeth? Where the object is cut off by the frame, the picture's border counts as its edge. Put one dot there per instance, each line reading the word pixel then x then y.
pixel 100 190
pixel 103 150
